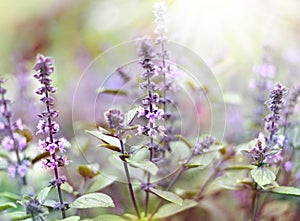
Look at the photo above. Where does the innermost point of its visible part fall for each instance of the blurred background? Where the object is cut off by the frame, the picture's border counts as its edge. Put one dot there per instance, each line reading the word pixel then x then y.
pixel 231 37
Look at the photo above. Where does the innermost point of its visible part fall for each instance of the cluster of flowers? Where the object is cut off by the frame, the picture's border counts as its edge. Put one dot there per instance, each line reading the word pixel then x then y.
pixel 115 120
pixel 12 140
pixel 204 144
pixel 149 110
pixel 261 154
pixel 274 103
pixel 267 149
pixel 47 126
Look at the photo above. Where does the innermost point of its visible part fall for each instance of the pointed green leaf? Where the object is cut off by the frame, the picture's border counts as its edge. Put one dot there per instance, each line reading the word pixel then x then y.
pixel 287 190
pixel 42 195
pixel 5 206
pixel 100 182
pixel 111 147
pixel 190 166
pixel 263 176
pixel 108 217
pixel 71 218
pixel 9 195
pixel 67 188
pixel 166 195
pixel 50 203
pixel 107 139
pixel 92 200
pixel 172 209
pixel 17 216
pixel 112 91
pixel 130 115
pixel 147 166
pixel 240 167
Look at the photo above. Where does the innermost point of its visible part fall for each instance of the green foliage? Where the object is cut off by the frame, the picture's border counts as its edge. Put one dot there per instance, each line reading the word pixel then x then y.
pixel 144 165
pixel 5 206
pixel 167 195
pixel 71 218
pixel 92 200
pixel 264 177
pixel 286 190
pixel 168 210
pixel 110 142
pixel 42 195
pixel 99 182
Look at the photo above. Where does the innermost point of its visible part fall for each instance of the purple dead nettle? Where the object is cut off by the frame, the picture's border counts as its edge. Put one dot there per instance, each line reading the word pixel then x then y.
pixel 13 140
pixel 49 128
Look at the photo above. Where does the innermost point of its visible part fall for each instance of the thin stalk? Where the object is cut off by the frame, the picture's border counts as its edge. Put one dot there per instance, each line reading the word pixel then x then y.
pixel 56 174
pixel 208 181
pixel 129 183
pixel 254 205
pixel 171 184
pixel 150 154
pixel 16 146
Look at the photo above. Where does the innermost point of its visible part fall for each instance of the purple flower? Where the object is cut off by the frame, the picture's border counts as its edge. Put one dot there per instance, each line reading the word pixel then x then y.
pixel 274 103
pixel 51 148
pixel 8 143
pixel 12 171
pixel 62 143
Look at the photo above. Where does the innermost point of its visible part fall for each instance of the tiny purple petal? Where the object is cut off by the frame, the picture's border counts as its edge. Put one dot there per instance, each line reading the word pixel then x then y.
pixel 11 171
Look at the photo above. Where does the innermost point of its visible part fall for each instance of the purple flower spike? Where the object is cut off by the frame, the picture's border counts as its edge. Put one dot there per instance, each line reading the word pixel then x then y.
pixel 47 126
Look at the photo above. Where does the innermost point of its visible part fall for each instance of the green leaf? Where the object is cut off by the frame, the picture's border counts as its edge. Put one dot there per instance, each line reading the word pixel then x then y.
pixel 71 218
pixel 17 216
pixel 130 115
pixel 108 217
pixel 286 190
pixel 166 195
pixel 9 195
pixel 67 188
pixel 147 166
pixel 86 171
pixel 190 166
pixel 107 139
pixel 93 200
pixel 40 156
pixel 100 182
pixel 172 209
pixel 112 91
pixel 240 167
pixel 50 203
pixel 263 176
pixel 42 195
pixel 111 147
pixel 5 206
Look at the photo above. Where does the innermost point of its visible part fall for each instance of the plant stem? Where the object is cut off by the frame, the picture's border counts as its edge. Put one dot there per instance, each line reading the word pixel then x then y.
pixel 150 154
pixel 16 146
pixel 62 208
pixel 171 184
pixel 254 206
pixel 129 183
